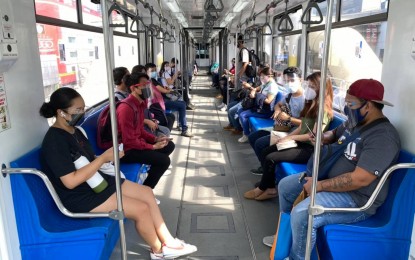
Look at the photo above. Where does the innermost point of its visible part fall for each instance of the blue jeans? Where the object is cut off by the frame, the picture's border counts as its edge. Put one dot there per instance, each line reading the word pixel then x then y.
pixel 259 140
pixel 244 116
pixel 233 109
pixel 289 189
pixel 179 106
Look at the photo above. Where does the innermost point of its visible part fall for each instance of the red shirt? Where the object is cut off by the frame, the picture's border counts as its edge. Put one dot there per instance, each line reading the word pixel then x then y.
pixel 133 137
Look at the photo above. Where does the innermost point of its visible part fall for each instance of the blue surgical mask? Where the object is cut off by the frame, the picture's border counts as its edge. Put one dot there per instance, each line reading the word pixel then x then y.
pixel 354 117
pixel 153 75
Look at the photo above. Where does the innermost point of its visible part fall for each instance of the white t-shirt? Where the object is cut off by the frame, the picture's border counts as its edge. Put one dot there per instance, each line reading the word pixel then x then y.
pixel 244 53
pixel 166 76
pixel 296 105
pixel 269 88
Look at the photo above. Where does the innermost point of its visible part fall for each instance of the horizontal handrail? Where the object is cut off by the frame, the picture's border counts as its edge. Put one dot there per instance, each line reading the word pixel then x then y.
pixel 317 209
pixel 113 214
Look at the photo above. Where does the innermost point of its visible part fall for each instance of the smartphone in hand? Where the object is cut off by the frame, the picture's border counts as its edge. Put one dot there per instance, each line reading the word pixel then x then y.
pixel 121 147
pixel 309 129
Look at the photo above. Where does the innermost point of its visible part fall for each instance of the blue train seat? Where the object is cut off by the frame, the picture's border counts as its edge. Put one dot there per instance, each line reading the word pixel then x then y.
pixel 257 123
pixel 90 126
pixel 284 169
pixel 44 232
pixel 387 234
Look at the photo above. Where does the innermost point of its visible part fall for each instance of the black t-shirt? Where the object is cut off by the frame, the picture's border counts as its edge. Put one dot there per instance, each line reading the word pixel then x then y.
pixel 58 150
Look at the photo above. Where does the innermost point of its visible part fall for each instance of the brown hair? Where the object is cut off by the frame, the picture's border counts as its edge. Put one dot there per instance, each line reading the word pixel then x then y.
pixel 311 108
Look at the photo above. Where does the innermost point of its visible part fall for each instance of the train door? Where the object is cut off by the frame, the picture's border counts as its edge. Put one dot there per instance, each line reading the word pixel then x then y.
pixel 202 54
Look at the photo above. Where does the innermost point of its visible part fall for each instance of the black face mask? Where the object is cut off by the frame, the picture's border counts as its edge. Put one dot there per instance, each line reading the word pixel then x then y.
pixel 75 119
pixel 145 93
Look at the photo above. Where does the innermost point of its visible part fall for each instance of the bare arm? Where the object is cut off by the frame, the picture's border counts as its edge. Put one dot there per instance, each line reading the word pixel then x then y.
pixel 346 182
pixel 74 179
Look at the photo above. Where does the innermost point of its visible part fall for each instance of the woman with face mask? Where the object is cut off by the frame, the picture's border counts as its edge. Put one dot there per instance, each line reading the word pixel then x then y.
pixel 264 96
pixel 63 143
pixel 270 156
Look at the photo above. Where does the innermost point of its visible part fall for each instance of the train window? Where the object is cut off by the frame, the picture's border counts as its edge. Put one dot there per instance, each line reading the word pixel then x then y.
pixel 71 65
pixel 125 57
pixel 63 10
pixel 91 13
pixel 351 9
pixel 356 52
pixel 295 16
pixel 287 52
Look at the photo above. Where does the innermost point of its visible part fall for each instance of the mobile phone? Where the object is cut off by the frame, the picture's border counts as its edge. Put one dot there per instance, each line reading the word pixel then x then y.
pixel 309 129
pixel 301 177
pixel 121 147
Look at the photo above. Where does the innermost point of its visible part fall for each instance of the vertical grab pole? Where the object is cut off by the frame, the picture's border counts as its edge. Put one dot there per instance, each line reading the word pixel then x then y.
pixel 108 43
pixel 182 55
pixel 317 146
pixel 236 85
pixel 174 46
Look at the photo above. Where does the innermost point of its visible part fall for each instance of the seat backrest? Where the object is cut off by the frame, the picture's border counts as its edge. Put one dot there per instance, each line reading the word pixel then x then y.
pixel 399 207
pixel 90 125
pixel 338 119
pixel 36 212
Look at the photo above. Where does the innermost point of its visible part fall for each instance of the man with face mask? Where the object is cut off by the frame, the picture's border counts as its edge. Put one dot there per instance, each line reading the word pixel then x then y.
pixel 370 145
pixel 243 60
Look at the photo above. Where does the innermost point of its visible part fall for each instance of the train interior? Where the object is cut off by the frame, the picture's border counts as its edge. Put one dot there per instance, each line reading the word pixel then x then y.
pixel 48 44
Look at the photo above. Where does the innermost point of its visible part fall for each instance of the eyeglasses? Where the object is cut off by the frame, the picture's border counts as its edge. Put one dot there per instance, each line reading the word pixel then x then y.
pixel 75 110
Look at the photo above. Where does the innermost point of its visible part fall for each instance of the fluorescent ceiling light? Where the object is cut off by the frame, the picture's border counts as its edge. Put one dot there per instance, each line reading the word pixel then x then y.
pixel 180 16
pixel 240 5
pixel 172 4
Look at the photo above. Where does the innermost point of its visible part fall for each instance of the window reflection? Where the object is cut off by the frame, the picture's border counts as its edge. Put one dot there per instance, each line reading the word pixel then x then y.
pixel 351 9
pixel 64 10
pixel 287 52
pixel 73 58
pixel 355 52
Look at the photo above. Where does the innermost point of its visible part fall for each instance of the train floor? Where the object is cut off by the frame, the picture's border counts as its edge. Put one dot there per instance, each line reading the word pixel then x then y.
pixel 202 199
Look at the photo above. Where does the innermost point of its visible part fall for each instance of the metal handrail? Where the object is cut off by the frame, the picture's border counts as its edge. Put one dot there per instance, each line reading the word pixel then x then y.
pixel 135 20
pixel 312 4
pixel 113 214
pixel 317 209
pixel 286 17
pixel 210 7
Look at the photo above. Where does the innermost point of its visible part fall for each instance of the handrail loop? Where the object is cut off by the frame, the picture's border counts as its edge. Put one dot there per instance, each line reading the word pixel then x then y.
pixel 286 18
pixel 266 25
pixel 210 6
pixel 136 20
pixel 152 28
pixel 311 5
pixel 115 7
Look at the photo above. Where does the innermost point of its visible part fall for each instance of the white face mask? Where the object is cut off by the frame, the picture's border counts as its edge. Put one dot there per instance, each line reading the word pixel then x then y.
pixel 310 94
pixel 167 68
pixel 292 86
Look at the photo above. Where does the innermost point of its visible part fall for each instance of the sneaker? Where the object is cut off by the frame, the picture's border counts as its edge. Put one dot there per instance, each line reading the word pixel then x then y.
pixel 224 108
pixel 184 249
pixel 221 105
pixel 190 107
pixel 186 134
pixel 157 201
pixel 156 256
pixel 243 139
pixel 268 241
pixel 228 128
pixel 257 171
pixel 167 172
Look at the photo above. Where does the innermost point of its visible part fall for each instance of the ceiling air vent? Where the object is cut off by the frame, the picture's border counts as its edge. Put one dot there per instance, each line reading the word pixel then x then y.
pixel 197 17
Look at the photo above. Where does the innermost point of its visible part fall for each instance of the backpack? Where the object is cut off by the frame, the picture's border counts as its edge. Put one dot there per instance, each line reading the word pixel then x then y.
pixel 251 69
pixel 104 135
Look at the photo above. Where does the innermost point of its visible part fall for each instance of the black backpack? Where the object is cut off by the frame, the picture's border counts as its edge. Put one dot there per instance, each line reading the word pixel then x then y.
pixel 251 69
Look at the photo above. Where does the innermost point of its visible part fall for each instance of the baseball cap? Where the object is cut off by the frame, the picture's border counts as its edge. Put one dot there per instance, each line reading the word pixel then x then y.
pixel 368 89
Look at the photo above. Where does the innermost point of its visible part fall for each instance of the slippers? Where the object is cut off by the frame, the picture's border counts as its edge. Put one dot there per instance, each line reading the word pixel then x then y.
pixel 251 195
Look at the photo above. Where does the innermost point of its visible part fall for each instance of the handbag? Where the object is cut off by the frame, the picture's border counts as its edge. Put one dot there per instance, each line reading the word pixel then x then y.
pixel 159 114
pixel 284 125
pixel 247 103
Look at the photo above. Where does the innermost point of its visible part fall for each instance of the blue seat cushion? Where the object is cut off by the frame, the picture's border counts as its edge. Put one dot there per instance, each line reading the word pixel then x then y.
pixel 260 123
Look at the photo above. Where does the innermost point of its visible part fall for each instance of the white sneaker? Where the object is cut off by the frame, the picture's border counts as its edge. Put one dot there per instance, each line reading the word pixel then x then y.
pixel 157 201
pixel 167 172
pixel 224 108
pixel 243 139
pixel 268 241
pixel 221 105
pixel 156 256
pixel 184 249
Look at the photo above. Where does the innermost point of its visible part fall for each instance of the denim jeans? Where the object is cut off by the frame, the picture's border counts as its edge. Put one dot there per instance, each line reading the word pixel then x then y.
pixel 235 107
pixel 244 116
pixel 179 106
pixel 259 140
pixel 289 189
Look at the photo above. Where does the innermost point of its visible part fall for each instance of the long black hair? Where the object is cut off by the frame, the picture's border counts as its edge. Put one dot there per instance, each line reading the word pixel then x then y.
pixel 62 98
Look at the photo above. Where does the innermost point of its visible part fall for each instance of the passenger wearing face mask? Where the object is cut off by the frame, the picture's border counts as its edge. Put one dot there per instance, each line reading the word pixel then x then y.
pixel 139 145
pixel 371 145
pixel 270 156
pixel 175 70
pixel 291 76
pixel 264 95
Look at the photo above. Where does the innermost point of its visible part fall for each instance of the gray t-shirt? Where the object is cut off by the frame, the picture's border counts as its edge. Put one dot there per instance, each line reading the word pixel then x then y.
pixel 375 150
pixel 296 105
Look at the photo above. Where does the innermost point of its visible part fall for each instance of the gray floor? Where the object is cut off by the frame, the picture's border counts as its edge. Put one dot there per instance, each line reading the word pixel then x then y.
pixel 202 200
